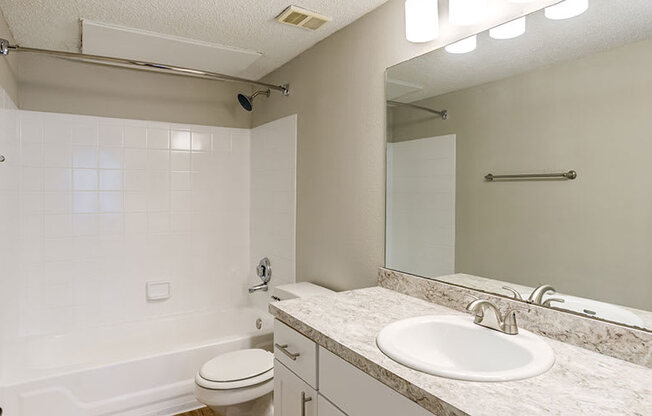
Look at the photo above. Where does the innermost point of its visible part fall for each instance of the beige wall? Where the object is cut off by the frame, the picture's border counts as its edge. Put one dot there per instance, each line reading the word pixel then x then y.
pixel 590 237
pixel 338 93
pixel 8 65
pixel 48 84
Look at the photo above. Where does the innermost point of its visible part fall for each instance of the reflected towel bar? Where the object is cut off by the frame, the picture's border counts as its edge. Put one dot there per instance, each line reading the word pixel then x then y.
pixel 570 175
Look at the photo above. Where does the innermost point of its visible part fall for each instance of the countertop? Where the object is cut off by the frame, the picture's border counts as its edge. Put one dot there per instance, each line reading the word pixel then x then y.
pixel 580 382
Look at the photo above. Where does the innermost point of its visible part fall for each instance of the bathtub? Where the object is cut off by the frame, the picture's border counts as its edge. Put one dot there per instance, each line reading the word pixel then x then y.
pixel 135 369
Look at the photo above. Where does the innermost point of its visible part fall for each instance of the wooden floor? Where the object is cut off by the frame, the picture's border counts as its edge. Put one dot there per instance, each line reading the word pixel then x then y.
pixel 204 411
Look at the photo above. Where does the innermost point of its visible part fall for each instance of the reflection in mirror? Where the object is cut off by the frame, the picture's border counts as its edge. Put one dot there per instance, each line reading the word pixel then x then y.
pixel 565 112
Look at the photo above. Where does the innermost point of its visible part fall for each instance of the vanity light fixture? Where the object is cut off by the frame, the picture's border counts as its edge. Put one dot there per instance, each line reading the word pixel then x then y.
pixel 466 12
pixel 463 46
pixel 509 30
pixel 566 9
pixel 421 20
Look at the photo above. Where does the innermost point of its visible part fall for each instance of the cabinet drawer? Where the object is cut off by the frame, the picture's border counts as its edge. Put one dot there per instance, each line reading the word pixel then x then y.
pixel 297 352
pixel 368 397
pixel 326 408
pixel 292 396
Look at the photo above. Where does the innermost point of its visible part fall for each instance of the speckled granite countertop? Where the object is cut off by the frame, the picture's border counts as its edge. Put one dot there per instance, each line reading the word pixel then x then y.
pixel 581 382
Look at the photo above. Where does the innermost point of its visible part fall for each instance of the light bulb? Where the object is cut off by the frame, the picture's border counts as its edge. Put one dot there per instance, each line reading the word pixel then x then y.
pixel 566 9
pixel 509 30
pixel 421 20
pixel 466 12
pixel 463 46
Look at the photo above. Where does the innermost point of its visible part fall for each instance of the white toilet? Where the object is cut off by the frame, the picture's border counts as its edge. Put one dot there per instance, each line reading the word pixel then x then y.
pixel 240 383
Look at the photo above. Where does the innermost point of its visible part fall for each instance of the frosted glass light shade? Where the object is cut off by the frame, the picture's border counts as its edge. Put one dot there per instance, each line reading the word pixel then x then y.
pixel 566 9
pixel 421 20
pixel 466 12
pixel 509 30
pixel 463 46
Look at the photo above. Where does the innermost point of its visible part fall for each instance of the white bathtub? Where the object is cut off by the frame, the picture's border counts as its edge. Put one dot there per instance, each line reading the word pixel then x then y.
pixel 135 369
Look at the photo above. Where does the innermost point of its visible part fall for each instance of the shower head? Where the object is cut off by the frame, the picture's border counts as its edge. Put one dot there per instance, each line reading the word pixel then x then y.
pixel 247 101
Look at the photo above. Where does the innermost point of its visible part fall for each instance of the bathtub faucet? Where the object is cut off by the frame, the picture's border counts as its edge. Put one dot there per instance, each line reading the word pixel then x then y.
pixel 264 271
pixel 262 286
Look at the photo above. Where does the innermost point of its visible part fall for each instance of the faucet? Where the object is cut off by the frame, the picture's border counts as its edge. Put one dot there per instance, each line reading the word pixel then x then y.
pixel 536 296
pixel 487 315
pixel 263 287
pixel 264 271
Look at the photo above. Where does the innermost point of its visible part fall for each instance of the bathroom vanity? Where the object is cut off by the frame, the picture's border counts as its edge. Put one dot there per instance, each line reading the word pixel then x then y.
pixel 310 380
pixel 329 364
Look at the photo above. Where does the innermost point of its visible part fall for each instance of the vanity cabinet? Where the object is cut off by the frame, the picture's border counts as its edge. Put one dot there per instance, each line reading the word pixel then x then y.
pixel 292 395
pixel 326 408
pixel 312 381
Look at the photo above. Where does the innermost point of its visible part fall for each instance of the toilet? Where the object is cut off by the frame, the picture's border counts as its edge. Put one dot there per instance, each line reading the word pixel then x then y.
pixel 241 383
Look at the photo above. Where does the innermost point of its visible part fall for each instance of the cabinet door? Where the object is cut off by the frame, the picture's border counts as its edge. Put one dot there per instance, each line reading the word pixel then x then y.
pixel 326 408
pixel 357 393
pixel 292 396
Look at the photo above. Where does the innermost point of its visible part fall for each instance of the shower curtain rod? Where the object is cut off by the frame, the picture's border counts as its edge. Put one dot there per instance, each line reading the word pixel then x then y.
pixel 443 113
pixel 6 47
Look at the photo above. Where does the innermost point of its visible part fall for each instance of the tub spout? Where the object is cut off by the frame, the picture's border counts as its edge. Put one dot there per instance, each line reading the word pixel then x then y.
pixel 262 286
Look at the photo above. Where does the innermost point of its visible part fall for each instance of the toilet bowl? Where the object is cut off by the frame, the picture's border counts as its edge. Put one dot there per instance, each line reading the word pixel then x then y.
pixel 237 383
pixel 241 383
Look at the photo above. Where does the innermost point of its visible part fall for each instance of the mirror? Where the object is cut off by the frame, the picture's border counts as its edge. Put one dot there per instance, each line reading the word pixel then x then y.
pixel 565 112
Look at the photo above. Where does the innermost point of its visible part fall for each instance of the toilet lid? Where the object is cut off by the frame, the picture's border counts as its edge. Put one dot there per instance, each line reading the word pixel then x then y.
pixel 237 365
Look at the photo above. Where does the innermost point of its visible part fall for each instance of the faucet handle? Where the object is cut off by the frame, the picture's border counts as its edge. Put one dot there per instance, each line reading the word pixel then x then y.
pixel 510 325
pixel 548 301
pixel 515 294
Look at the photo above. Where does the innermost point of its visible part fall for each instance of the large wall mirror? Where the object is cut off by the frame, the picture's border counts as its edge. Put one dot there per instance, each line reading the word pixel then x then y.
pixel 525 164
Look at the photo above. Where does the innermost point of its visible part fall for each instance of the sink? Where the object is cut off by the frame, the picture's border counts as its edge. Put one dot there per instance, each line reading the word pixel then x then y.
pixel 455 347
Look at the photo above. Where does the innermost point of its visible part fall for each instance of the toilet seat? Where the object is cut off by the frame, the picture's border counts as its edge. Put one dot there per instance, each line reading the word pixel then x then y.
pixel 236 369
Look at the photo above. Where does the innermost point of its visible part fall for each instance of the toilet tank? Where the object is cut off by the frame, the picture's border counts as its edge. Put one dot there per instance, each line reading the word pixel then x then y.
pixel 298 290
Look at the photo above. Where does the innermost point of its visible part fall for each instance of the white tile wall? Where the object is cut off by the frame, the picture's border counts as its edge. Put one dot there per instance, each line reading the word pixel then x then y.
pixel 11 221
pixel 421 205
pixel 93 208
pixel 273 202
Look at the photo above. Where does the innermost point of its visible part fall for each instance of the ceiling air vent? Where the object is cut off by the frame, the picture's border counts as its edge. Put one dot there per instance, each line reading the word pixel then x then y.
pixel 296 16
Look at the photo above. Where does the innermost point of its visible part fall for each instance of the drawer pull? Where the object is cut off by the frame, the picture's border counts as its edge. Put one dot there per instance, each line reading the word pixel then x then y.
pixel 304 400
pixel 283 349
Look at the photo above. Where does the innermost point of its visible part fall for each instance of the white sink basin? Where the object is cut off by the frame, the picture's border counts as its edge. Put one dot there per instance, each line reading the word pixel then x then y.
pixel 455 347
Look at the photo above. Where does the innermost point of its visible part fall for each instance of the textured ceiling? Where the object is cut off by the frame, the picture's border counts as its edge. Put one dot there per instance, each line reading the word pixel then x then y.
pixel 606 25
pixel 247 24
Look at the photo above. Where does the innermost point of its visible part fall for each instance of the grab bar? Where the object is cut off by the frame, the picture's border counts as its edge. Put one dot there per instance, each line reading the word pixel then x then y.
pixel 570 175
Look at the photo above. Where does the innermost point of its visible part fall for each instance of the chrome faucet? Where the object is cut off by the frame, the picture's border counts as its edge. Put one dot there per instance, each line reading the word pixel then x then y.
pixel 262 287
pixel 264 271
pixel 487 315
pixel 536 296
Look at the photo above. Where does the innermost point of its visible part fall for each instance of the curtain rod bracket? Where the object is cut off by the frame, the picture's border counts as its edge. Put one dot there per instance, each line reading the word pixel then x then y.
pixel 4 47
